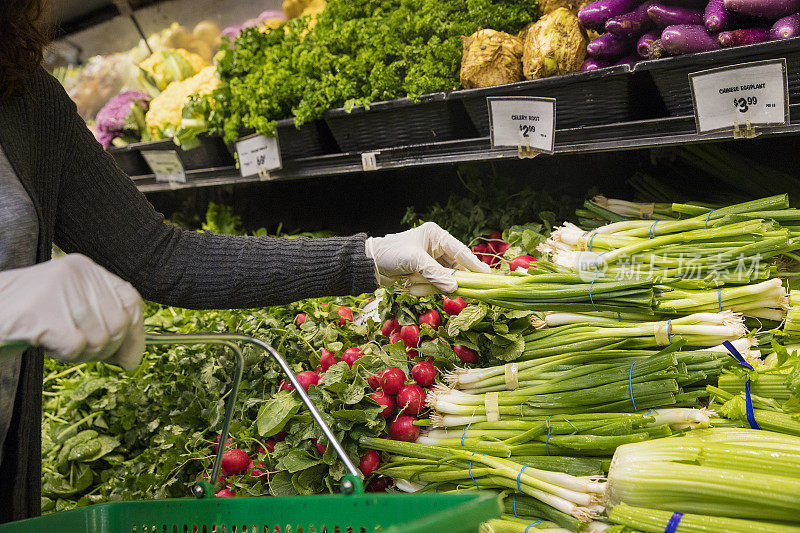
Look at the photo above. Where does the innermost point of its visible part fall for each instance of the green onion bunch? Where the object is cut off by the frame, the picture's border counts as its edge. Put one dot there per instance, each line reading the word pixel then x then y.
pixel 579 497
pixel 730 244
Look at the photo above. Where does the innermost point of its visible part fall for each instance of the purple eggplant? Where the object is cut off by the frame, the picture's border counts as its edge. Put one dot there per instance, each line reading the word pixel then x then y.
pixel 786 28
pixel 609 46
pixel 664 15
pixel 727 39
pixel 646 42
pixel 715 17
pixel 592 63
pixel 688 39
pixel 771 9
pixel 631 24
pixel 596 14
pixel 628 59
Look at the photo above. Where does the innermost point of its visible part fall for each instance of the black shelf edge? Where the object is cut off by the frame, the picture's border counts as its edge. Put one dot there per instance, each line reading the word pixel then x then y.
pixel 634 135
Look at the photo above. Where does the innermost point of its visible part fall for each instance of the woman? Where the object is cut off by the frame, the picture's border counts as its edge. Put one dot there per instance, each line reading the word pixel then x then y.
pixel 58 185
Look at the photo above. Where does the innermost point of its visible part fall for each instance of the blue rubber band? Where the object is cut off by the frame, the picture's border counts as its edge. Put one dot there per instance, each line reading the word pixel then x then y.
pixel 470 470
pixel 514 499
pixel 736 355
pixel 533 524
pixel 590 241
pixel 719 299
pixel 619 317
pixel 547 440
pixel 705 226
pixel 650 411
pixel 591 300
pixel 653 230
pixel 518 475
pixel 630 385
pixel 669 331
pixel 748 401
pixel 672 525
pixel 464 434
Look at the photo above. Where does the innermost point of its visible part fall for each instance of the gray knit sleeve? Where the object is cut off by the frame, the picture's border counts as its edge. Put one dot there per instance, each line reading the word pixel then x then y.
pixel 102 215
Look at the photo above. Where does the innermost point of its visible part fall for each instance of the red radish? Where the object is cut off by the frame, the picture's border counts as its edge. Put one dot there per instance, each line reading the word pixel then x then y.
pixel 467 355
pixel 285 385
pixel 235 462
pixel 351 355
pixel 225 493
pixel 300 319
pixel 424 374
pixel 412 353
pixel 321 379
pixel 481 251
pixel 320 447
pixel 369 463
pixel 325 304
pixel 319 371
pixel 410 335
pixel 395 337
pixel 279 437
pixel 390 326
pixel 307 378
pixel 392 380
pixel 386 401
pixel 521 261
pixel 501 247
pixel 215 446
pixel 374 381
pixel 411 399
pixel 379 484
pixel 403 428
pixel 495 235
pixel 327 359
pixel 345 315
pixel 270 445
pixel 453 306
pixel 431 318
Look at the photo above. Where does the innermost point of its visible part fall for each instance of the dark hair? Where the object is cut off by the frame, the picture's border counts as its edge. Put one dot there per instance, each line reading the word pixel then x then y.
pixel 21 43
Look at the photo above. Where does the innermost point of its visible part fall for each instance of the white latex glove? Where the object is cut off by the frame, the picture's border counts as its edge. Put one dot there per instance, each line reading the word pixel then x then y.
pixel 427 250
pixel 74 309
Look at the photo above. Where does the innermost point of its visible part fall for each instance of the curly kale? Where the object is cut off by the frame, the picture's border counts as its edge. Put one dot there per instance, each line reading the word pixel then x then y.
pixel 357 52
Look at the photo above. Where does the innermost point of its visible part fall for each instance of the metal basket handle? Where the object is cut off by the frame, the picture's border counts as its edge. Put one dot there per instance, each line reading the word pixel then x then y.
pixel 351 483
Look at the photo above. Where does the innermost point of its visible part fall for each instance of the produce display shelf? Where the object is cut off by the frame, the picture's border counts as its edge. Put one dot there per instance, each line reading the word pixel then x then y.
pixel 611 137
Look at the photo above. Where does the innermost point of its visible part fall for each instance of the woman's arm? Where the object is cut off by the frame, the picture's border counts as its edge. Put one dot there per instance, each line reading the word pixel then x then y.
pixel 101 214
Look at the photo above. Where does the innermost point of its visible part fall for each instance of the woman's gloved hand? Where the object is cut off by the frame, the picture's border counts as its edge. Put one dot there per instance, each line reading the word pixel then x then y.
pixel 76 310
pixel 427 250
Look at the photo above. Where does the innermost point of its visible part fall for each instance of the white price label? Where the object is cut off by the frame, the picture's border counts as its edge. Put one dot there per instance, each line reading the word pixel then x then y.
pixel 738 96
pixel 258 155
pixel 166 165
pixel 522 122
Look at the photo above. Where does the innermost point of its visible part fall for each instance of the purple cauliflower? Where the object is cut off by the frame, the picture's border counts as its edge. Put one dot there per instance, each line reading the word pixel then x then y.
pixel 122 117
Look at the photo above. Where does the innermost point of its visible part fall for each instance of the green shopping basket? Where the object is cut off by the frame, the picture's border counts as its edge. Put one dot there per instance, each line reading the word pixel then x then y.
pixel 352 511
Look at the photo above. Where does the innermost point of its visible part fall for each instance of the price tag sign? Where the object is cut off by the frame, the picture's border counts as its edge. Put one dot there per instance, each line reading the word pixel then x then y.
pixel 739 96
pixel 522 122
pixel 258 155
pixel 166 165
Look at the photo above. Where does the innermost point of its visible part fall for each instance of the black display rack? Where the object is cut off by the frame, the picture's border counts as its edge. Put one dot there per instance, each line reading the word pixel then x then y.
pixel 612 109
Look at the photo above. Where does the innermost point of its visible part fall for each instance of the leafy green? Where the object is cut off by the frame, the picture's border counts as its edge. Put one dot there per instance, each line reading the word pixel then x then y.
pixel 356 52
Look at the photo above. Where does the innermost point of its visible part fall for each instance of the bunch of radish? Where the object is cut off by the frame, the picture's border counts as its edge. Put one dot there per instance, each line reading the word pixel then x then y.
pixel 491 250
pixel 237 462
pixel 402 399
pixel 632 29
